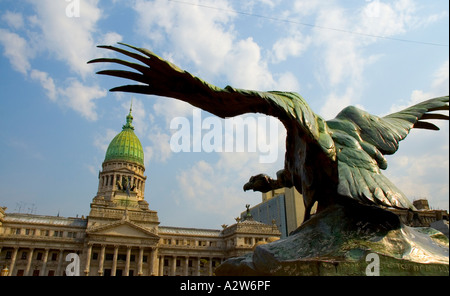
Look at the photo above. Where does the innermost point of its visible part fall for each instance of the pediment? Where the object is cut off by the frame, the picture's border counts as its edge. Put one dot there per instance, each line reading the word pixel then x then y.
pixel 122 228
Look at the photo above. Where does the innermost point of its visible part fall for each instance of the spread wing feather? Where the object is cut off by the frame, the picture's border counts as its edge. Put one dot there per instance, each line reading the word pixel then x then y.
pixel 363 139
pixel 162 78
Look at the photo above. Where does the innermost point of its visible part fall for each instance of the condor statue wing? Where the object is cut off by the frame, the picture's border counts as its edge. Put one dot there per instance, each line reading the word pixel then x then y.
pixel 155 76
pixel 363 139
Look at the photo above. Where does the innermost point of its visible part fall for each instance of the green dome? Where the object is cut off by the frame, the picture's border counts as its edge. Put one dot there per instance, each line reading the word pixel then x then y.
pixel 126 145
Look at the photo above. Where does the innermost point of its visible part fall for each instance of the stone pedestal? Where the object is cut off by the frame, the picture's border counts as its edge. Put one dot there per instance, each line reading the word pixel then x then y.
pixel 348 240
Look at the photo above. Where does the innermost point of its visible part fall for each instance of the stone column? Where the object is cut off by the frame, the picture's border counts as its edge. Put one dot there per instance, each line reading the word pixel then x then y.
pixel 44 263
pixel 101 261
pixel 186 266
pixel 173 269
pixel 210 271
pixel 114 266
pixel 88 260
pixel 141 257
pixel 154 267
pixel 198 266
pixel 13 261
pixel 161 265
pixel 127 263
pixel 60 262
pixel 29 259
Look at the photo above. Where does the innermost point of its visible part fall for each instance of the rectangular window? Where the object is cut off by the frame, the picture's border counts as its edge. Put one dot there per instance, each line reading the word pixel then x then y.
pixel 54 256
pixel 71 234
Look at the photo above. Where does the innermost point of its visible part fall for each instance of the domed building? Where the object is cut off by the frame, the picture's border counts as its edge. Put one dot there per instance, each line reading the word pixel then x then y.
pixel 121 236
pixel 122 180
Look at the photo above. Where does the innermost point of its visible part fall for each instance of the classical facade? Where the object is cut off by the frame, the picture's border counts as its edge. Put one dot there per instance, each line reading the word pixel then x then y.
pixel 121 236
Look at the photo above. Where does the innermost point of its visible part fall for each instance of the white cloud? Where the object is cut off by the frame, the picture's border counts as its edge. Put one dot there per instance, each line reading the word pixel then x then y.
pixel 342 68
pixel 171 108
pixel 244 67
pixel 306 7
pixel 441 79
pixel 421 166
pixel 249 5
pixel 337 102
pixel 206 38
pixel 159 150
pixel 439 87
pixel 111 38
pixel 102 140
pixel 13 19
pixel 423 174
pixel 291 46
pixel 287 82
pixel 70 40
pixel 47 83
pixel 17 50
pixel 80 98
pixel 199 34
pixel 385 19
pixel 217 188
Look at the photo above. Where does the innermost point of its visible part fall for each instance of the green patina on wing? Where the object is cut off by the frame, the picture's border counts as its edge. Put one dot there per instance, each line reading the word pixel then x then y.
pixel 363 139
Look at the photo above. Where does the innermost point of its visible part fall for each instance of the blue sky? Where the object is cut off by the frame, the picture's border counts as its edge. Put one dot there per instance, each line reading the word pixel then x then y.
pixel 57 117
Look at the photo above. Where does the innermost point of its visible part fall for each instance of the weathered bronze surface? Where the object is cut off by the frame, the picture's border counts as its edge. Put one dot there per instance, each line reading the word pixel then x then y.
pixel 338 242
pixel 336 163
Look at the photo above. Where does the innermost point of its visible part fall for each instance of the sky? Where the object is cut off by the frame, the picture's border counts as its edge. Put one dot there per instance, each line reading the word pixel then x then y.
pixel 57 116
